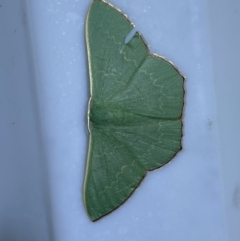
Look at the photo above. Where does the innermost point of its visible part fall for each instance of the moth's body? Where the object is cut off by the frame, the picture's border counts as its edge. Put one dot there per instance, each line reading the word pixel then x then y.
pixel 134 113
pixel 104 115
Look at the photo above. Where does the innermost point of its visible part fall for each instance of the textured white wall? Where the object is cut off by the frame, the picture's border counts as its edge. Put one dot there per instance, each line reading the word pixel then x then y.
pixel 24 201
pixel 225 48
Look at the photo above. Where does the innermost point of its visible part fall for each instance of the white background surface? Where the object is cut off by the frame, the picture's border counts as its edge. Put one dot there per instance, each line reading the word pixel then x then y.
pixel 44 92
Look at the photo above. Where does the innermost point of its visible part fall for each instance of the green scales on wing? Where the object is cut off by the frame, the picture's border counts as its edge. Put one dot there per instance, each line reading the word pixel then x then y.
pixel 134 112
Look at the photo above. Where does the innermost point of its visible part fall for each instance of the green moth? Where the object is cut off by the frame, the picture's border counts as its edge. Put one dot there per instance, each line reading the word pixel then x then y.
pixel 135 110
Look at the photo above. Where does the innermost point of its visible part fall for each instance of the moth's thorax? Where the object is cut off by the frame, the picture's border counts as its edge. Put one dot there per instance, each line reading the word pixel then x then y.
pixel 102 114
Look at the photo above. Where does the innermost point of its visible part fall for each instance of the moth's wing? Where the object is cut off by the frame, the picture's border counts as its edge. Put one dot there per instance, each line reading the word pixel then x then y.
pixel 153 142
pixel 154 101
pixel 111 61
pixel 112 174
pixel 155 90
pixel 120 155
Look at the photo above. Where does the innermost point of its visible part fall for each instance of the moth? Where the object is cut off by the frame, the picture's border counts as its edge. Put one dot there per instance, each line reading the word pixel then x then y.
pixel 135 110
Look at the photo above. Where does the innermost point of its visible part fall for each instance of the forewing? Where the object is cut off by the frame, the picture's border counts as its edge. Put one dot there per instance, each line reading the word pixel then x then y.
pixel 112 63
pixel 112 174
